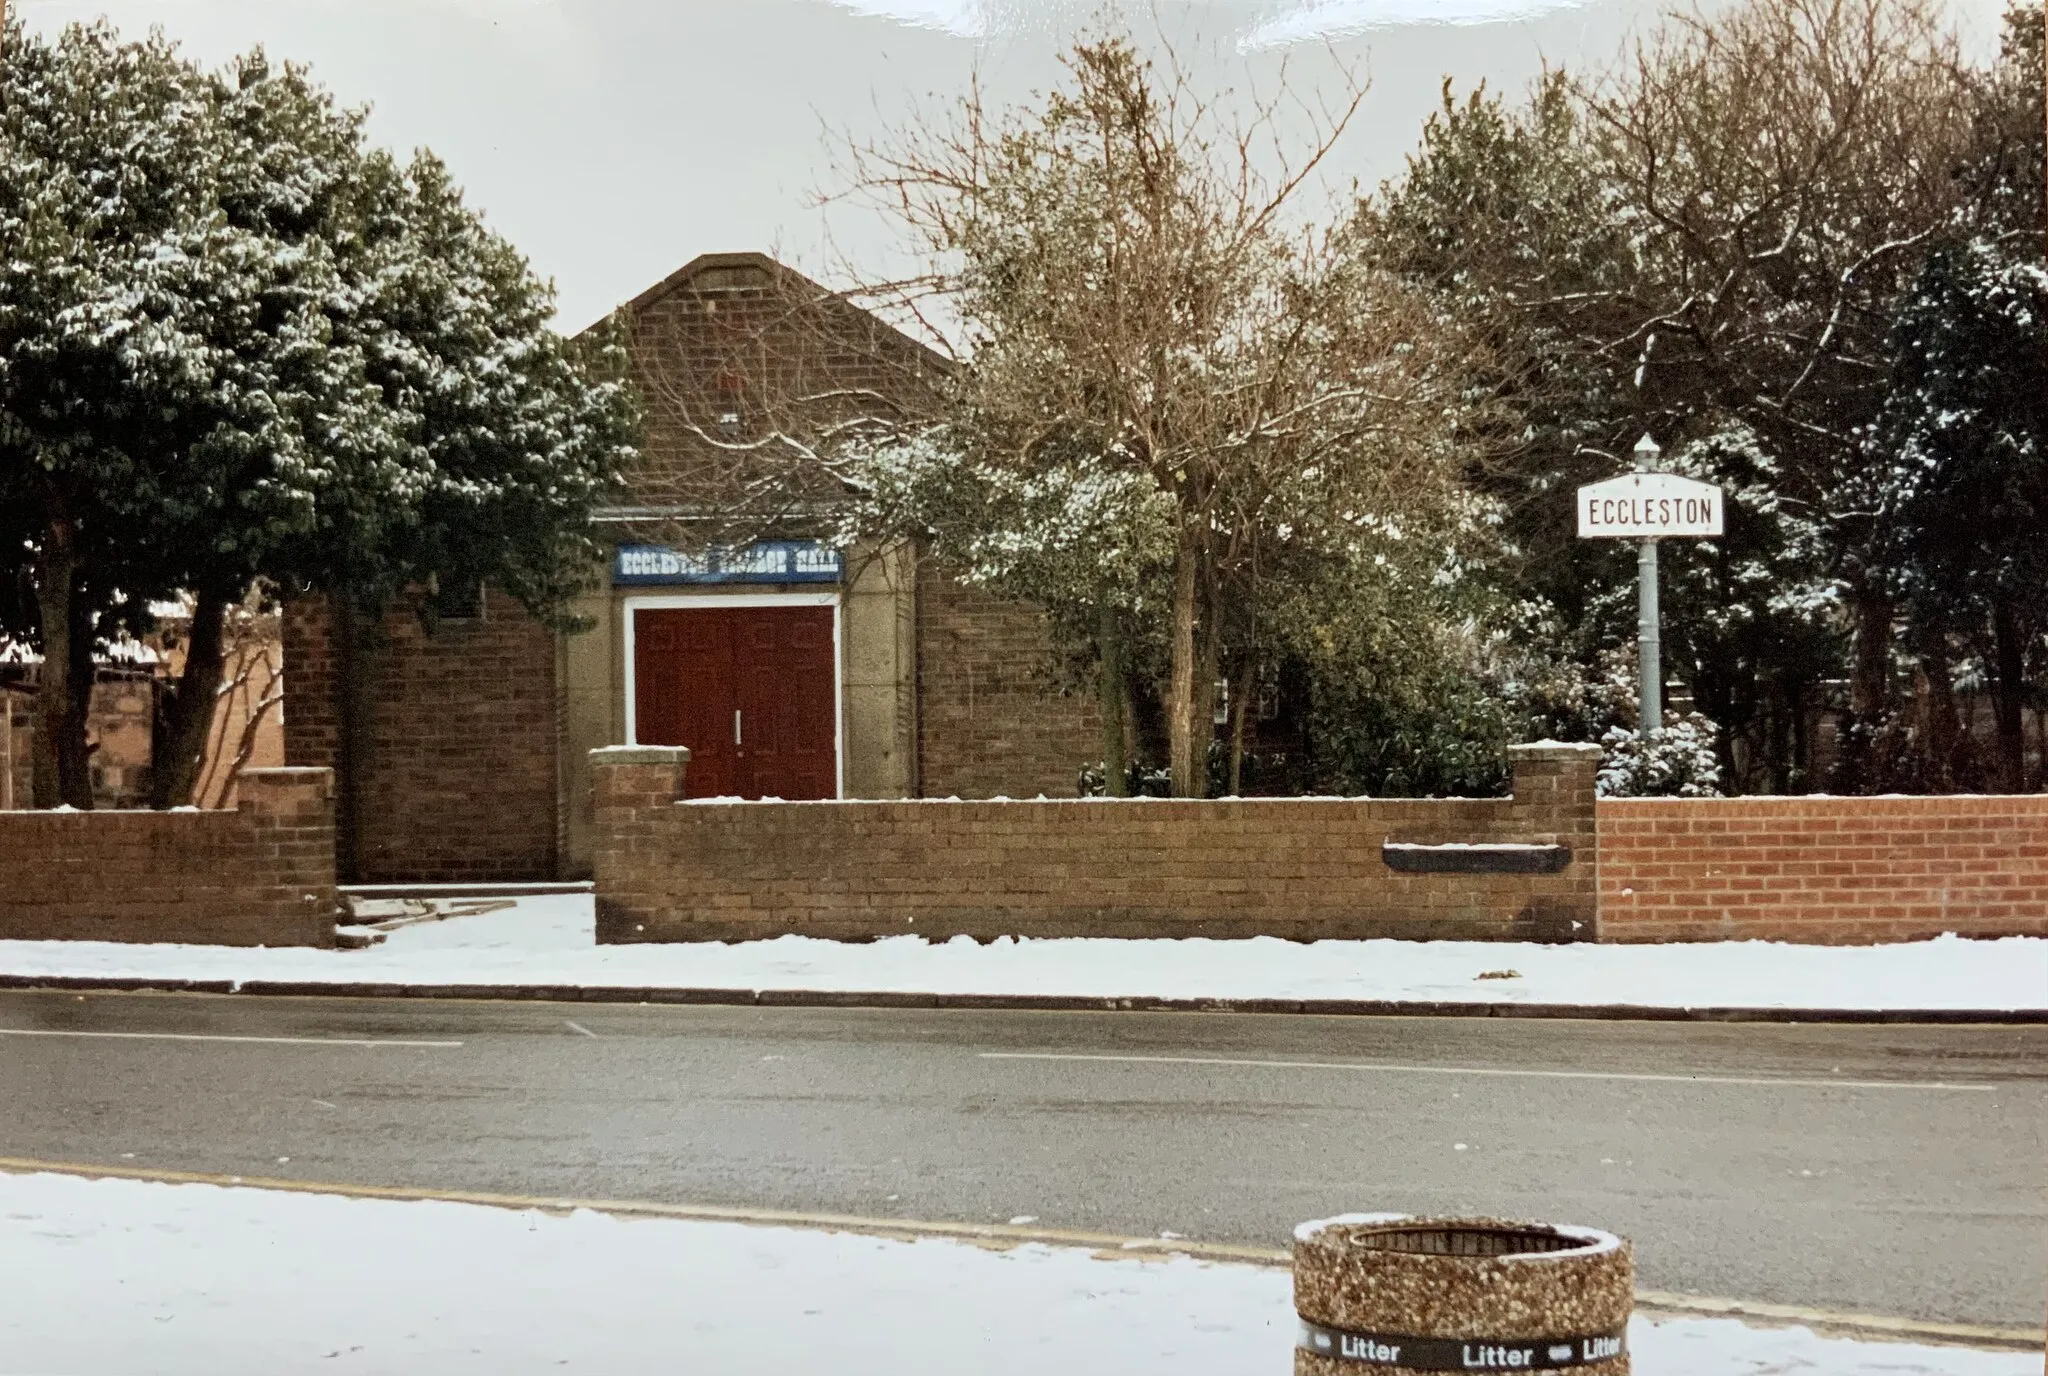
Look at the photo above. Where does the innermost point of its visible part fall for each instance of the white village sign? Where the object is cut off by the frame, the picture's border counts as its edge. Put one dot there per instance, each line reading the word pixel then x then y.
pixel 1648 506
pixel 1645 506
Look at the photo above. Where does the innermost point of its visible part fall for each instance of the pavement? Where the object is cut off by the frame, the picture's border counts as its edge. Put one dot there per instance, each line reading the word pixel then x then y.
pixel 109 1277
pixel 1882 1170
pixel 544 947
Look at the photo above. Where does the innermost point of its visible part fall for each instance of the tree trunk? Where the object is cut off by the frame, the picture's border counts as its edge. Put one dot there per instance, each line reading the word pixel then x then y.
pixel 355 639
pixel 1209 645
pixel 1186 738
pixel 1801 778
pixel 1778 734
pixel 1241 694
pixel 1944 723
pixel 1869 689
pixel 272 699
pixel 2041 746
pixel 1109 696
pixel 74 752
pixel 1870 678
pixel 2008 696
pixel 187 721
pixel 62 774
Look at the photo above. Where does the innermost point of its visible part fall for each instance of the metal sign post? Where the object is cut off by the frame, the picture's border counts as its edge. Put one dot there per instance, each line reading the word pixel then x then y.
pixel 1649 649
pixel 1649 506
pixel 1649 619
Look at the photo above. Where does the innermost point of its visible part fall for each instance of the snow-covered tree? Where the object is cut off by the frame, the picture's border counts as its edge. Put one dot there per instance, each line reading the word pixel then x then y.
pixel 1754 625
pixel 1162 376
pixel 100 234
pixel 1705 243
pixel 237 343
pixel 1962 485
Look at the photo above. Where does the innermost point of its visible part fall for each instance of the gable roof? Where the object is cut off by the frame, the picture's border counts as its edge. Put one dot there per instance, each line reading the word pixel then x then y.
pixel 751 271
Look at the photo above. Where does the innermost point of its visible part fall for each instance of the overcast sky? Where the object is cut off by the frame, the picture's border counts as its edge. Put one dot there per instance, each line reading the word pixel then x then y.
pixel 613 140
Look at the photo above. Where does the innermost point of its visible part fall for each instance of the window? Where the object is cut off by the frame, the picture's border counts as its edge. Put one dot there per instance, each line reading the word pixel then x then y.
pixel 457 600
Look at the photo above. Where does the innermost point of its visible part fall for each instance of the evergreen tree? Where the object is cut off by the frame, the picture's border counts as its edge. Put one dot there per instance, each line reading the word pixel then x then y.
pixel 1963 487
pixel 1707 244
pixel 237 344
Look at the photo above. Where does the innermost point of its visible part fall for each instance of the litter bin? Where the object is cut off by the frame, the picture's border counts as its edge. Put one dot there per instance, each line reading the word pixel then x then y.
pixel 1398 1294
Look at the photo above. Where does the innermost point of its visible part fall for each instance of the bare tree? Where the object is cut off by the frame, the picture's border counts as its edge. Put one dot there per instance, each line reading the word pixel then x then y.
pixel 1139 304
pixel 1784 167
pixel 757 381
pixel 250 694
pixel 1707 242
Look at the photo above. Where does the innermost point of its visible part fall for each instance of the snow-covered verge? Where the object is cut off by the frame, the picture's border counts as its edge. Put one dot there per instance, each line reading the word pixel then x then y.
pixel 111 1277
pixel 549 941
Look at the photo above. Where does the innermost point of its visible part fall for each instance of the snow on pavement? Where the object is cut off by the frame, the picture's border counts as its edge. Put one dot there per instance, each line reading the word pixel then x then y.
pixel 111 1277
pixel 549 940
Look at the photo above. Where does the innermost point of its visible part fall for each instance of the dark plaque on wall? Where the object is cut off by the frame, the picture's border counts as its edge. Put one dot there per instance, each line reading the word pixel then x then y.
pixel 1475 858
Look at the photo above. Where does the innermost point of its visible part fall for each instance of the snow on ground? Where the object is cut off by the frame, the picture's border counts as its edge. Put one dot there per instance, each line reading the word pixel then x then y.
pixel 111 1277
pixel 548 940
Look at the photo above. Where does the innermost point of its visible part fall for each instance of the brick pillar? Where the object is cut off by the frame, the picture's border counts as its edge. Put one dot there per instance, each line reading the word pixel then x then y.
pixel 626 780
pixel 292 812
pixel 1555 789
pixel 630 776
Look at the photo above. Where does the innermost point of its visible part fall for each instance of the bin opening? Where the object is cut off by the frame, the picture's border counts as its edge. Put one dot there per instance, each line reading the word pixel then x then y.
pixel 1456 1240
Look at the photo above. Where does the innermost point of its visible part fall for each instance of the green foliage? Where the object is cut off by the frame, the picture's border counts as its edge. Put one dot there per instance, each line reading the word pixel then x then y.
pixel 1962 479
pixel 1707 244
pixel 1677 761
pixel 1175 407
pixel 238 344
pixel 1753 625
pixel 1965 436
pixel 236 341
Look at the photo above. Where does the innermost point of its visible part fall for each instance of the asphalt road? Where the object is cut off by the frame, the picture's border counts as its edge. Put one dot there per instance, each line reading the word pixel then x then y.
pixel 1897 1171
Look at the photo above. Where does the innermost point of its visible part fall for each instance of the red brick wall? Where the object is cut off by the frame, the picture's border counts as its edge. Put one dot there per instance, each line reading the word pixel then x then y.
pixel 460 781
pixel 117 732
pixel 262 875
pixel 991 720
pixel 738 336
pixel 1296 868
pixel 1823 870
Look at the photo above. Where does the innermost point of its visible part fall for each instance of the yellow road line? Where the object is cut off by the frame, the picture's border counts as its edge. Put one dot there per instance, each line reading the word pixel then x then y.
pixel 1653 1303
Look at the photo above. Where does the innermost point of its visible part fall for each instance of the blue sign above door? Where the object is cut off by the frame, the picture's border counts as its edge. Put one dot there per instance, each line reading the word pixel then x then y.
pixel 764 561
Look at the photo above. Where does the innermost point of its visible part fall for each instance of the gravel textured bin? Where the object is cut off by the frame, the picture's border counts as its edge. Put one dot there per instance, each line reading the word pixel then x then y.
pixel 1399 1294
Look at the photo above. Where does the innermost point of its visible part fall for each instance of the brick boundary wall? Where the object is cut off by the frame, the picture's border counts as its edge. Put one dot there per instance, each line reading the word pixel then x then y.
pixel 1824 871
pixel 1297 868
pixel 260 875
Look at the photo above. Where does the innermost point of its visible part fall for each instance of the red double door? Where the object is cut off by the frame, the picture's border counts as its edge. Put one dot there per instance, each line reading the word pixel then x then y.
pixel 750 690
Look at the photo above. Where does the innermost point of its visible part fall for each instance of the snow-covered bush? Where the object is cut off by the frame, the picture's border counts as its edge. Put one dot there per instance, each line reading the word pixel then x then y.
pixel 1677 761
pixel 1139 781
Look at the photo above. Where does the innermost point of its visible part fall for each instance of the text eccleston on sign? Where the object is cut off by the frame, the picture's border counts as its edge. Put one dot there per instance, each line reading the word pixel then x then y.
pixel 1640 506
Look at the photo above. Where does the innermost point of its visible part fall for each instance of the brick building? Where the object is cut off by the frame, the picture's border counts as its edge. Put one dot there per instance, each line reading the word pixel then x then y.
pixel 129 682
pixel 723 621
